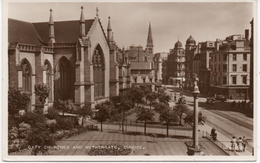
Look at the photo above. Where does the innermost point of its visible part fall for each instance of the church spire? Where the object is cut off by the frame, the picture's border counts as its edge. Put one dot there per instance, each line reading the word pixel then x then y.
pixel 82 24
pixel 51 30
pixel 149 45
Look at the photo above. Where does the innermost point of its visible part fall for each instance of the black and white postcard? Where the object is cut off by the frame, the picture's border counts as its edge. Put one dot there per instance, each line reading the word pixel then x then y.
pixel 129 80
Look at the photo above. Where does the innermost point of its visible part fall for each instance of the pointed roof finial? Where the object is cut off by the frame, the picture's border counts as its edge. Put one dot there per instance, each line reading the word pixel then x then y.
pixel 97 11
pixel 51 19
pixel 109 25
pixel 82 15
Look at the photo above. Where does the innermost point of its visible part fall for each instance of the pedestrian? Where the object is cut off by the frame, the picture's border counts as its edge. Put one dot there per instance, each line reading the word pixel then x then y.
pixel 233 143
pixel 245 143
pixel 175 98
pixel 120 127
pixel 213 133
pixel 239 144
pixel 230 97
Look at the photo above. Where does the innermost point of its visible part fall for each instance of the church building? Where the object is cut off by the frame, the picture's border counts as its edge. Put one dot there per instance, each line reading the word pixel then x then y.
pixel 75 58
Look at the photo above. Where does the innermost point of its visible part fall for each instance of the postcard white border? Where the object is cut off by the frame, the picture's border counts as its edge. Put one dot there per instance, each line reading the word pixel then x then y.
pixel 160 158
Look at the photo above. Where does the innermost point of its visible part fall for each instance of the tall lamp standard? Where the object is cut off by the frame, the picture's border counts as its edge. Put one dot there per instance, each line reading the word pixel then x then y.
pixel 195 149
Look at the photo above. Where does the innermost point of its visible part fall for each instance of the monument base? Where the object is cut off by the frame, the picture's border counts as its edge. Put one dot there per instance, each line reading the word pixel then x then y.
pixel 193 151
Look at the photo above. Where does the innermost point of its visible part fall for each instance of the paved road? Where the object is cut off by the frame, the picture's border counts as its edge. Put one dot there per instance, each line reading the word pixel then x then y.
pixel 225 120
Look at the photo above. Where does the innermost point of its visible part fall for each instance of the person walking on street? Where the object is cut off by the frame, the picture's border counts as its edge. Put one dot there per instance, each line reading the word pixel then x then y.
pixel 239 144
pixel 244 143
pixel 213 134
pixel 233 143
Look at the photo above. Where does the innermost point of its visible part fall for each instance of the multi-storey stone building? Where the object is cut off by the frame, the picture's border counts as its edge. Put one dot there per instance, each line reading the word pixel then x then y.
pixel 204 50
pixel 75 58
pixel 176 65
pixel 190 51
pixel 230 67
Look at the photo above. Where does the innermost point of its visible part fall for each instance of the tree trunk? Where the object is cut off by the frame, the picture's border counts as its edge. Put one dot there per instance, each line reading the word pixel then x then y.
pixel 180 120
pixel 167 124
pixel 101 127
pixel 123 121
pixel 82 122
pixel 145 127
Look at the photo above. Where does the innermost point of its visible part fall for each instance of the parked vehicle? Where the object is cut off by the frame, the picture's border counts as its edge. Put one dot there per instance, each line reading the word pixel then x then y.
pixel 210 100
pixel 221 98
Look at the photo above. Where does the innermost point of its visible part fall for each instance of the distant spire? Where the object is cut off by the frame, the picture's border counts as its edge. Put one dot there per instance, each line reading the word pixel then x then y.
pixel 150 37
pixel 51 19
pixel 149 45
pixel 82 15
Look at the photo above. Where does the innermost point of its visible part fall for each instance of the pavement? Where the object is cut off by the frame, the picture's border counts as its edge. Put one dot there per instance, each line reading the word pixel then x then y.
pixel 223 141
pixel 141 144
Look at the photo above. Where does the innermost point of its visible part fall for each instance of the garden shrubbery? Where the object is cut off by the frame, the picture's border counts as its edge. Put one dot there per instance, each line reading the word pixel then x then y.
pixel 35 128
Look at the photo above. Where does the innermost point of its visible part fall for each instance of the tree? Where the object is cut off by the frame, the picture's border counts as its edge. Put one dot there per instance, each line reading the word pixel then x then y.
pixel 40 138
pixel 189 118
pixel 42 90
pixel 163 98
pixel 151 97
pixel 135 95
pixel 17 100
pixel 160 106
pixel 180 109
pixel 145 114
pixel 122 104
pixel 84 112
pixel 167 115
pixel 105 111
pixel 64 106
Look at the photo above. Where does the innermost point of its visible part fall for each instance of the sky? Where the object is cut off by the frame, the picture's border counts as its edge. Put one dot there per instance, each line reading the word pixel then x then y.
pixel 170 21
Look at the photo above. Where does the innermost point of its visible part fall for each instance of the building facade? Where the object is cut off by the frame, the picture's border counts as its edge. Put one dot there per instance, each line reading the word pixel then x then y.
pixel 159 59
pixel 204 50
pixel 190 51
pixel 176 65
pixel 141 64
pixel 230 67
pixel 75 58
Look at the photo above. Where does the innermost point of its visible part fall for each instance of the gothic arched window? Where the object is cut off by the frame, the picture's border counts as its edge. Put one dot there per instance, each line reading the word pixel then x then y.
pixel 48 69
pixel 98 71
pixel 64 73
pixel 26 76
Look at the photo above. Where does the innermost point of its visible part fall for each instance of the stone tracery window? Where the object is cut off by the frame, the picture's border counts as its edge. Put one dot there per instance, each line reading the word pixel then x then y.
pixel 98 71
pixel 64 73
